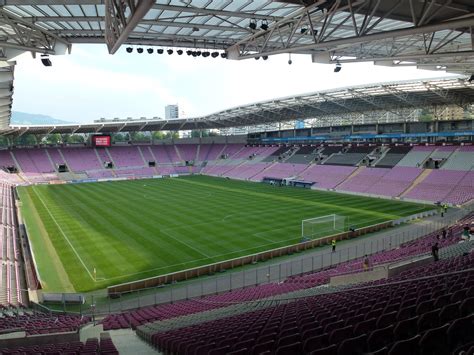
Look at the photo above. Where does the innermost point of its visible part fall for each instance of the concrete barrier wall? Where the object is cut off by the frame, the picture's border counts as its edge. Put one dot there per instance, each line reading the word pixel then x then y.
pixel 377 273
pixel 23 340
pixel 397 268
pixel 230 264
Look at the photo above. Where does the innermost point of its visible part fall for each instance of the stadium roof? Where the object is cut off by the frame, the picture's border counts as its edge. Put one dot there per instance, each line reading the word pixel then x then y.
pixel 392 97
pixel 435 34
pixel 430 34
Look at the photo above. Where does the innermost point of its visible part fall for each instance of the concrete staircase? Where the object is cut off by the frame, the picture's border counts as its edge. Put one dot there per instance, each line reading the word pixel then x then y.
pixel 177 152
pixel 145 163
pixel 197 152
pixel 261 171
pixel 15 161
pixel 354 173
pixel 418 180
pixel 51 160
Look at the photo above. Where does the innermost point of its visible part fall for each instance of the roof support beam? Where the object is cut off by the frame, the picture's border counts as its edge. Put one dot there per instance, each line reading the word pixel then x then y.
pixel 118 25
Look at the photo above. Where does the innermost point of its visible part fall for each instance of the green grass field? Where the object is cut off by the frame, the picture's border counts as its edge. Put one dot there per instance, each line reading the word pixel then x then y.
pixel 130 230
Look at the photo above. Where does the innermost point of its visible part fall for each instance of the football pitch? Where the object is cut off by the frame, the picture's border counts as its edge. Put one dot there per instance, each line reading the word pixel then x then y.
pixel 92 235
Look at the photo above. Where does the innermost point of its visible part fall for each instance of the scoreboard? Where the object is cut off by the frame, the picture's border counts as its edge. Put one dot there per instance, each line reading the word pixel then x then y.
pixel 101 141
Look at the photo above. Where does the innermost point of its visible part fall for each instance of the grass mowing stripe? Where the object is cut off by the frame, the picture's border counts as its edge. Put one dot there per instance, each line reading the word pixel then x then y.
pixel 64 234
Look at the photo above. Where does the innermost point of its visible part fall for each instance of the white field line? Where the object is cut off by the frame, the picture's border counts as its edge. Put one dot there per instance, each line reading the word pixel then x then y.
pixel 184 243
pixel 64 234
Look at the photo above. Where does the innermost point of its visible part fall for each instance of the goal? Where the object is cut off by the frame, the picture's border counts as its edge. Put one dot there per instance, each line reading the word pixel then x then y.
pixel 323 226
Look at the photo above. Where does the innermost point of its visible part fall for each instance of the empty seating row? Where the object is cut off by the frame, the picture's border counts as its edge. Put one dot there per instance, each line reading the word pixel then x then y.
pixel 353 321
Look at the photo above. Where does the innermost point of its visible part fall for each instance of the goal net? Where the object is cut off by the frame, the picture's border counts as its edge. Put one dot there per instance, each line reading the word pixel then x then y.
pixel 322 226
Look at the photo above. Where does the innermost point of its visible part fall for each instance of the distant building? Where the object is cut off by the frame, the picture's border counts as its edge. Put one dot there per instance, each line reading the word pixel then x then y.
pixel 171 112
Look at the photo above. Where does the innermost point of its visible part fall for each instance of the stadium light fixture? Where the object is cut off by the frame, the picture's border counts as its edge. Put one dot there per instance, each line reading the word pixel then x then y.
pixel 303 30
pixel 195 53
pixel 224 55
pixel 338 67
pixel 189 52
pixel 169 51
pixel 253 24
pixel 264 57
pixel 140 50
pixel 471 78
pixel 150 50
pixel 214 54
pixel 129 49
pixel 206 54
pixel 198 53
pixel 45 60
pixel 160 51
pixel 264 25
pixel 179 51
pixel 257 58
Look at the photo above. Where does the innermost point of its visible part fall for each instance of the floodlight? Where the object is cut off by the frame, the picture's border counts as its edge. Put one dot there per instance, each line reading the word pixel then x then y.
pixel 179 51
pixel 45 60
pixel 224 55
pixel 471 78
pixel 206 54
pixel 338 67
pixel 257 58
pixel 169 51
pixel 140 50
pixel 160 51
pixel 253 24
pixel 264 57
pixel 189 52
pixel 129 49
pixel 214 54
pixel 264 25
pixel 150 50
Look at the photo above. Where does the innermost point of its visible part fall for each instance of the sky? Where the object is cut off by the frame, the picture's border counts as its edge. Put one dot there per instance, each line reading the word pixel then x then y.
pixel 90 83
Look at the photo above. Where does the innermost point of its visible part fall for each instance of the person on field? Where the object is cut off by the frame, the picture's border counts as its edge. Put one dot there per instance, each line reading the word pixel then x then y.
pixel 333 243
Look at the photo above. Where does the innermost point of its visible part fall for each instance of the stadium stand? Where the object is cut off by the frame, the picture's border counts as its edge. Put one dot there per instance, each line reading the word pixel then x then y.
pixel 393 157
pixel 416 156
pixel 187 151
pixel 402 176
pixel 326 176
pixel 33 161
pixel 90 346
pixel 304 155
pixel 125 157
pixel 81 159
pixel 461 159
pixel 368 317
pixel 437 186
pixel 41 323
pixel 351 157
pixel 396 181
pixel 364 180
pixel 11 276
pixel 280 171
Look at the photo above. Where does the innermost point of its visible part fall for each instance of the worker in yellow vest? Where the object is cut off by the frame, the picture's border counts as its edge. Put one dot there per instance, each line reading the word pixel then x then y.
pixel 333 243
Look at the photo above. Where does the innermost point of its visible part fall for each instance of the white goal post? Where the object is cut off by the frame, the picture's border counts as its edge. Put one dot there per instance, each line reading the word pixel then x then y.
pixel 323 226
